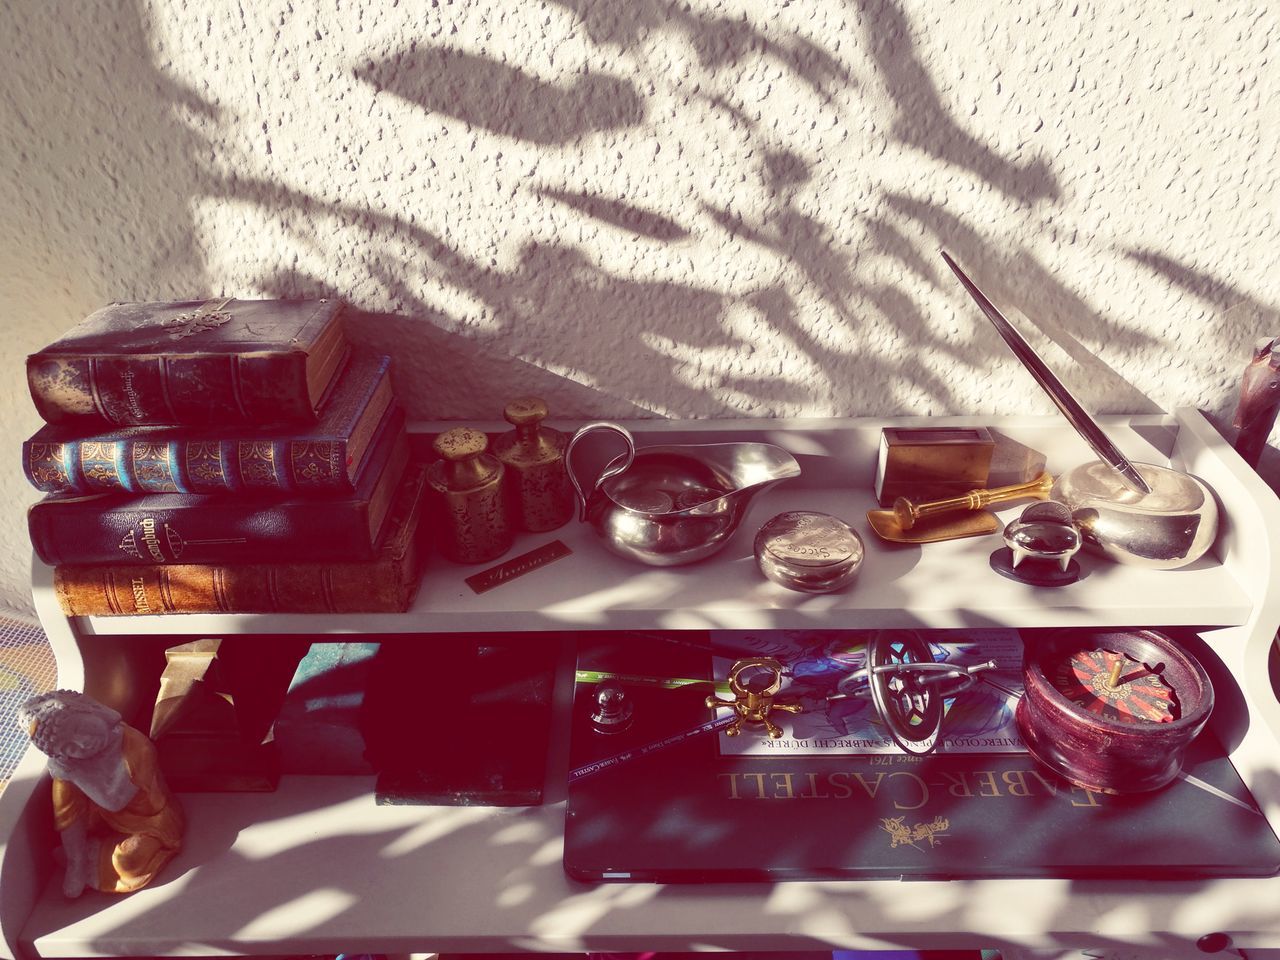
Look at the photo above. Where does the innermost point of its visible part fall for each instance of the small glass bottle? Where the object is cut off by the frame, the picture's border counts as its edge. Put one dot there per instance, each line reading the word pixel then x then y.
pixel 542 496
pixel 467 484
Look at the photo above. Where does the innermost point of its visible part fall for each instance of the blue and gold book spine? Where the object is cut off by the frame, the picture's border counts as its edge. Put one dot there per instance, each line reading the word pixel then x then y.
pixel 322 458
pixel 172 466
pixel 155 467
pixel 103 466
pixel 264 464
pixel 194 528
pixel 52 467
pixel 209 465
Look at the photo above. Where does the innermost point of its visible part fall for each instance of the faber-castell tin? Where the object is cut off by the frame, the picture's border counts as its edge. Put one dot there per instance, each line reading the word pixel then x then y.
pixel 810 552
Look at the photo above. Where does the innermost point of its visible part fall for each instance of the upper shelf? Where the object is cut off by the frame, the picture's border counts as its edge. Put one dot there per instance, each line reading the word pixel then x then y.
pixel 941 585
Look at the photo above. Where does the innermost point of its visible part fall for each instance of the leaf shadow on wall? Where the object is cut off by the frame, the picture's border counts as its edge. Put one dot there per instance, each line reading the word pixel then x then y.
pixel 923 122
pixel 624 216
pixel 105 204
pixel 1017 279
pixel 1237 318
pixel 557 304
pixel 717 41
pixel 504 99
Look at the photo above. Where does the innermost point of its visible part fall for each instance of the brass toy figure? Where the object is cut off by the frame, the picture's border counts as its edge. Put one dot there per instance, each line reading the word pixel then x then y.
pixel 754 705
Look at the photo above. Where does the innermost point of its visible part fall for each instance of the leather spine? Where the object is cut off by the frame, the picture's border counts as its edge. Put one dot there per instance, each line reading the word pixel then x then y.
pixel 154 467
pixel 89 530
pixel 195 389
pixel 385 586
pixel 198 528
pixel 51 467
pixel 187 465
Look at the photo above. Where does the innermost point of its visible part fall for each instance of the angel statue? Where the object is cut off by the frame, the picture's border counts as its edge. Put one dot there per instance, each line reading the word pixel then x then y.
pixel 118 821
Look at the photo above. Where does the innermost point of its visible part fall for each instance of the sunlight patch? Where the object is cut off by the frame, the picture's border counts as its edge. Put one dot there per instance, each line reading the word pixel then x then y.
pixel 299 916
pixel 442 822
pixel 515 895
pixel 522 831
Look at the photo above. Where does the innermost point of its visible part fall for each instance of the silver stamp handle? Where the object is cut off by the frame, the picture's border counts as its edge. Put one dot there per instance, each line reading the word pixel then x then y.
pixel 615 468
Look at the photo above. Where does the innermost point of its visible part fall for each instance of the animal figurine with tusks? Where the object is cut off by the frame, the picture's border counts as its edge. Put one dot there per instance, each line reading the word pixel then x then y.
pixel 1259 400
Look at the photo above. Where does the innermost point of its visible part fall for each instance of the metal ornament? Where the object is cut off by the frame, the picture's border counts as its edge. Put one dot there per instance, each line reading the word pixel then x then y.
pixel 472 511
pixel 613 710
pixel 949 526
pixel 910 522
pixel 910 709
pixel 753 695
pixel 533 454
pixel 1169 528
pixel 1044 531
pixel 676 503
pixel 908 688
pixel 809 551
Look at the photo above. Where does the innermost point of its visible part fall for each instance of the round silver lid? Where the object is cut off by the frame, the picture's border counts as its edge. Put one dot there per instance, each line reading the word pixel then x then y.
pixel 807 539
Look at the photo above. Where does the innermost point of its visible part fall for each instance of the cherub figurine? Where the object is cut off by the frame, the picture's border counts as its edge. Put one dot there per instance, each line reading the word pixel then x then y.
pixel 118 821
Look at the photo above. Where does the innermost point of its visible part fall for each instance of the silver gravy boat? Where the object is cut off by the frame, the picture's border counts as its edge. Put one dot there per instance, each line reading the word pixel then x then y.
pixel 676 503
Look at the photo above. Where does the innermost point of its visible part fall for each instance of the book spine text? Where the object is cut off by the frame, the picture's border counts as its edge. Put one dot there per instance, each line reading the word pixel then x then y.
pixel 92 530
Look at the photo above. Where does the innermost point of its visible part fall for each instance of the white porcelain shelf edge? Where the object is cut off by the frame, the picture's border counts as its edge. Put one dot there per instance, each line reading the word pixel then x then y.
pixel 939 585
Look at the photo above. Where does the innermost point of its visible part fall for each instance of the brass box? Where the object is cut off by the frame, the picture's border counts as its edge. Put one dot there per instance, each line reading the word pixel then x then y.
pixel 931 463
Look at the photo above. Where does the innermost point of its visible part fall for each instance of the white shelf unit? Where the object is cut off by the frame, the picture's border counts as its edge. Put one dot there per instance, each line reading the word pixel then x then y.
pixel 318 866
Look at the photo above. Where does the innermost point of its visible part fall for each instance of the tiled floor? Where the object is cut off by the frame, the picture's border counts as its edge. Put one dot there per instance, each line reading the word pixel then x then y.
pixel 27 667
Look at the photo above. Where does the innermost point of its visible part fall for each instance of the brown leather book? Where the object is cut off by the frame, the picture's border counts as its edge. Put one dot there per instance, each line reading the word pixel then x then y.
pixel 385 584
pixel 211 363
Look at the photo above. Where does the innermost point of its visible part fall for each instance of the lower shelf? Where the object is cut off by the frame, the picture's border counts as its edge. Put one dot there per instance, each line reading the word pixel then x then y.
pixel 317 866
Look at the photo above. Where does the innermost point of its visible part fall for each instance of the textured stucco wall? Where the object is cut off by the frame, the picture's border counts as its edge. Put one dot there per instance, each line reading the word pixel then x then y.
pixel 643 207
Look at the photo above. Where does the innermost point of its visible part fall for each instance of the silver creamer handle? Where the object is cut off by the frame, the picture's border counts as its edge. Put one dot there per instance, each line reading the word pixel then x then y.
pixel 612 470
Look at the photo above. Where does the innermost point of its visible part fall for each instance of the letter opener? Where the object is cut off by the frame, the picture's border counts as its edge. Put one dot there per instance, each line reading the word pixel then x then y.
pixel 1084 424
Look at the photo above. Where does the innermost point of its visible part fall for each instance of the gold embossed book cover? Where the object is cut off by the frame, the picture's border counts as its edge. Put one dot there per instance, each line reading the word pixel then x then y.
pixel 198 362
pixel 654 797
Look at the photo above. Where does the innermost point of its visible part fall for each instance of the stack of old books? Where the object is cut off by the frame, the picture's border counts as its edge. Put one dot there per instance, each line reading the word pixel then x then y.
pixel 235 456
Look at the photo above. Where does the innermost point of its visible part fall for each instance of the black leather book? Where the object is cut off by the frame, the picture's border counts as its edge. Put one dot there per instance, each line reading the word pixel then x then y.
pixel 215 362
pixel 658 802
pixel 208 528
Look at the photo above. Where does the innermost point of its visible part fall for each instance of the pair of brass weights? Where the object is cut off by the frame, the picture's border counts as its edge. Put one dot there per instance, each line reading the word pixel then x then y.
pixel 906 687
